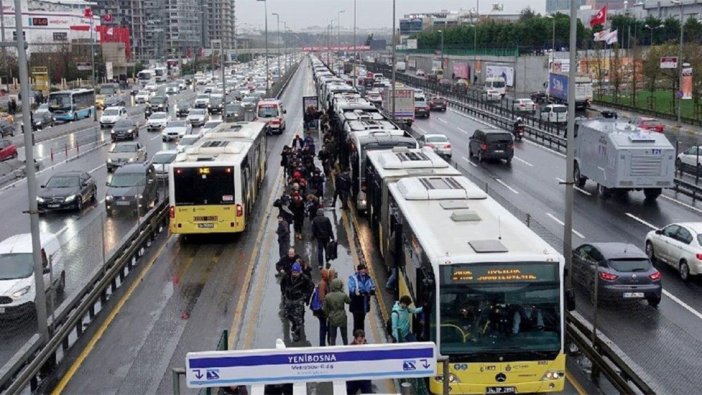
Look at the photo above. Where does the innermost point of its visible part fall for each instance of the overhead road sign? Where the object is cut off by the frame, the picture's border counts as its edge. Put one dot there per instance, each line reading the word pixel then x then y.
pixel 310 364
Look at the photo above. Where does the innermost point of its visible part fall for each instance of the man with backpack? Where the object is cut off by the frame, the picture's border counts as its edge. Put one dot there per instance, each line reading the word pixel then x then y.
pixel 322 232
pixel 361 288
pixel 400 320
pixel 297 289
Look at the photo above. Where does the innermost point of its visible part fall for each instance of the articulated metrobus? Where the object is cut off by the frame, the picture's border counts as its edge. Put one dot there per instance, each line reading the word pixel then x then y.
pixel 492 288
pixel 214 184
pixel 72 105
pixel 386 167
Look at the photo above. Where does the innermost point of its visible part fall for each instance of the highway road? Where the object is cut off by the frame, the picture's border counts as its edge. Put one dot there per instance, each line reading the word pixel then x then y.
pixel 662 341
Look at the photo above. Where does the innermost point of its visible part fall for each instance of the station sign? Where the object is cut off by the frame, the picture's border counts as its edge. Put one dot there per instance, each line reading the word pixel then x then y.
pixel 669 62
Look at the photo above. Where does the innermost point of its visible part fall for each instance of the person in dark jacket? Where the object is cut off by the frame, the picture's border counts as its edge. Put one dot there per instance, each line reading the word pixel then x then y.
pixel 334 307
pixel 323 287
pixel 285 160
pixel 296 289
pixel 361 288
pixel 283 233
pixel 322 231
pixel 312 204
pixel 297 206
pixel 285 263
pixel 342 187
pixel 316 183
pixel 365 386
pixel 309 144
pixel 297 143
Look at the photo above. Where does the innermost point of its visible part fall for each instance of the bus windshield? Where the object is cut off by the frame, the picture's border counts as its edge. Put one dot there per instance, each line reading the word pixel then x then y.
pixel 500 312
pixel 204 185
pixel 60 101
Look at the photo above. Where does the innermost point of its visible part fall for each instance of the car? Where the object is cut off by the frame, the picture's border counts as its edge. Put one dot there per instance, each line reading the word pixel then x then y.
pixel 539 97
pixel 491 144
pixel 41 117
pixel 183 108
pixel 111 115
pixel 438 103
pixel 187 141
pixel 67 190
pixel 249 102
pixel 124 129
pixel 492 95
pixel 157 121
pixel 525 105
pixel 678 245
pixel 176 130
pixel 197 117
pixel 115 101
pixel 202 101
pixel 6 129
pixel 151 87
pixel 420 73
pixel 421 107
pixel 17 285
pixel 172 89
pixel 8 150
pixel 623 271
pixel 374 97
pixel 554 113
pixel 216 104
pixel 162 162
pixel 123 153
pixel 437 142
pixel 648 123
pixel 142 97
pixel 209 126
pixel 158 104
pixel 689 160
pixel 233 112
pixel 133 187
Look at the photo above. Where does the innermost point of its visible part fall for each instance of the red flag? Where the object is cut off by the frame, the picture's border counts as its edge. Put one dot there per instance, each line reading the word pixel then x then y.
pixel 600 18
pixel 107 18
pixel 88 12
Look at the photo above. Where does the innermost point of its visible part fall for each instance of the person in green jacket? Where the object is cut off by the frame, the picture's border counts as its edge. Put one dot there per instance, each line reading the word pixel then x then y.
pixel 335 310
pixel 400 316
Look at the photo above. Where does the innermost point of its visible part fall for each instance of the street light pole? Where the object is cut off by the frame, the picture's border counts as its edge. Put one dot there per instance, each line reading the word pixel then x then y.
pixel 265 12
pixel 338 28
pixel 355 53
pixel 570 148
pixel 92 60
pixel 394 65
pixel 4 50
pixel 442 48
pixel 277 18
pixel 680 61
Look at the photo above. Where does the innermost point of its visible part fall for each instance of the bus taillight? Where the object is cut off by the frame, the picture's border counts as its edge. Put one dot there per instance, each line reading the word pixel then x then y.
pixel 171 212
pixel 239 210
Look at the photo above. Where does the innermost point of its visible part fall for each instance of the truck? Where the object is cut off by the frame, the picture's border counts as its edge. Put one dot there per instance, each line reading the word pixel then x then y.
pixel 558 89
pixel 401 66
pixel 404 103
pixel 621 157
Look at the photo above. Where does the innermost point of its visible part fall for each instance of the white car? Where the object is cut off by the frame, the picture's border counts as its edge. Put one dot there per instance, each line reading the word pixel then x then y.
pixel 689 160
pixel 525 105
pixel 17 285
pixel 554 113
pixel 151 87
pixel 197 117
pixel 162 162
pixel 186 142
pixel 175 130
pixel 437 142
pixel 679 245
pixel 492 95
pixel 142 97
pixel 157 121
pixel 202 101
pixel 111 115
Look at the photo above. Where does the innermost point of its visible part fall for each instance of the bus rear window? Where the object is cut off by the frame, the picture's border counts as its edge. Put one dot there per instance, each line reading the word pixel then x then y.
pixel 204 185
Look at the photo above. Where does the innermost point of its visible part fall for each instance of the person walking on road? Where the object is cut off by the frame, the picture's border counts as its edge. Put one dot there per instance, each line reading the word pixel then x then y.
pixel 322 232
pixel 400 318
pixel 361 288
pixel 283 233
pixel 335 308
pixel 296 289
pixel 342 187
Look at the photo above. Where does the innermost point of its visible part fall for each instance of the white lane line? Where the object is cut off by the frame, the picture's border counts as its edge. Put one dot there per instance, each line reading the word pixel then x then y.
pixel 523 161
pixel 637 219
pixel 469 161
pixel 681 203
pixel 61 231
pixel 97 168
pixel 507 186
pixel 553 217
pixel 683 304
pixel 442 120
pixel 155 137
pixel 421 129
pixel 576 188
pixel 462 130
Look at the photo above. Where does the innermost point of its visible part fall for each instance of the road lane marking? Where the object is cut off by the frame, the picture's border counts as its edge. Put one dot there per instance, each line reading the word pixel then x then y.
pixel 97 168
pixel 155 137
pixel 523 161
pixel 421 129
pixel 576 188
pixel 635 218
pixel 469 161
pixel 681 203
pixel 578 387
pixel 442 120
pixel 553 217
pixel 683 304
pixel 61 386
pixel 507 186
pixel 462 130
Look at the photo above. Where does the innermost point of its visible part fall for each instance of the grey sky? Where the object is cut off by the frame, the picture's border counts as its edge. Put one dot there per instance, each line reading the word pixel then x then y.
pixel 369 13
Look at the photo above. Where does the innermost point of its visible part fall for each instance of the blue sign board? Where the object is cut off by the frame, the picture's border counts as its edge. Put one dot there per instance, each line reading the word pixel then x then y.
pixel 310 364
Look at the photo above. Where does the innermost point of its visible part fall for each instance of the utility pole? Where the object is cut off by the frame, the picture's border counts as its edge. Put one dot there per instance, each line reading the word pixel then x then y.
pixel 4 50
pixel 338 28
pixel 265 11
pixel 680 65
pixel 394 65
pixel 355 52
pixel 40 301
pixel 92 59
pixel 277 18
pixel 570 149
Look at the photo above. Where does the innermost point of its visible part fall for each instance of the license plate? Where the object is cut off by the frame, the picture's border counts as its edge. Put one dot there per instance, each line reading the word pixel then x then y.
pixel 205 226
pixel 500 390
pixel 53 206
pixel 499 151
pixel 123 203
pixel 633 294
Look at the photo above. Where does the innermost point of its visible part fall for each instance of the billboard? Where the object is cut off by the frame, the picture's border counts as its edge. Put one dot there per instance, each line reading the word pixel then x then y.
pixel 411 43
pixel 686 83
pixel 461 70
pixel 411 26
pixel 506 72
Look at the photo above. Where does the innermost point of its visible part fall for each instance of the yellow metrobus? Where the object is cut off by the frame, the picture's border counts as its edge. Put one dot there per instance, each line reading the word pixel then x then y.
pixel 214 184
pixel 492 288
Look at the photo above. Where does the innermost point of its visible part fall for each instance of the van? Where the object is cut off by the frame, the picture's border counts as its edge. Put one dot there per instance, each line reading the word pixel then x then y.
pixel 554 113
pixel 271 112
pixel 17 286
pixel 133 187
pixel 491 144
pixel 495 86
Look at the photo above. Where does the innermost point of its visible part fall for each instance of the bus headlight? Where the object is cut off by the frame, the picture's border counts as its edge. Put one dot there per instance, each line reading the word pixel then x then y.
pixel 452 378
pixel 553 375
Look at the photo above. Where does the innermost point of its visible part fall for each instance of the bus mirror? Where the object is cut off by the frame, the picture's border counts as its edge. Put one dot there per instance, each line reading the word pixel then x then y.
pixel 570 299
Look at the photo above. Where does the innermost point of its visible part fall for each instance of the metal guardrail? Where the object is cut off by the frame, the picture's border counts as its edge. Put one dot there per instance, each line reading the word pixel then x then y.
pixel 30 365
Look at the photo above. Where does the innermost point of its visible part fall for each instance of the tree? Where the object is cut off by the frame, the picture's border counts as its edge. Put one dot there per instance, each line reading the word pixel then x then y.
pixel 526 14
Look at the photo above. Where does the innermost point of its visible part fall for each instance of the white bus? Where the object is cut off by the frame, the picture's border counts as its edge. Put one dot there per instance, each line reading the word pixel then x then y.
pixel 492 289
pixel 386 167
pixel 161 74
pixel 213 184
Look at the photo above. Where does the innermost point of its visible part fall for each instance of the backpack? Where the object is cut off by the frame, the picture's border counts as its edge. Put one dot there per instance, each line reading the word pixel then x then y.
pixel 388 326
pixel 330 251
pixel 315 301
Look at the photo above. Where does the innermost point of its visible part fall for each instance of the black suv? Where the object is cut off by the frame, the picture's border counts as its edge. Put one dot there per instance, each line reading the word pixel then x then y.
pixel 183 108
pixel 133 187
pixel 491 144
pixel 67 190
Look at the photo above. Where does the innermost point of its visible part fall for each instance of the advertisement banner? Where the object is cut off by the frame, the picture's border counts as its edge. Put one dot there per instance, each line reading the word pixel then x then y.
pixel 686 83
pixel 411 43
pixel 506 72
pixel 337 48
pixel 109 71
pixel 460 70
pixel 669 62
